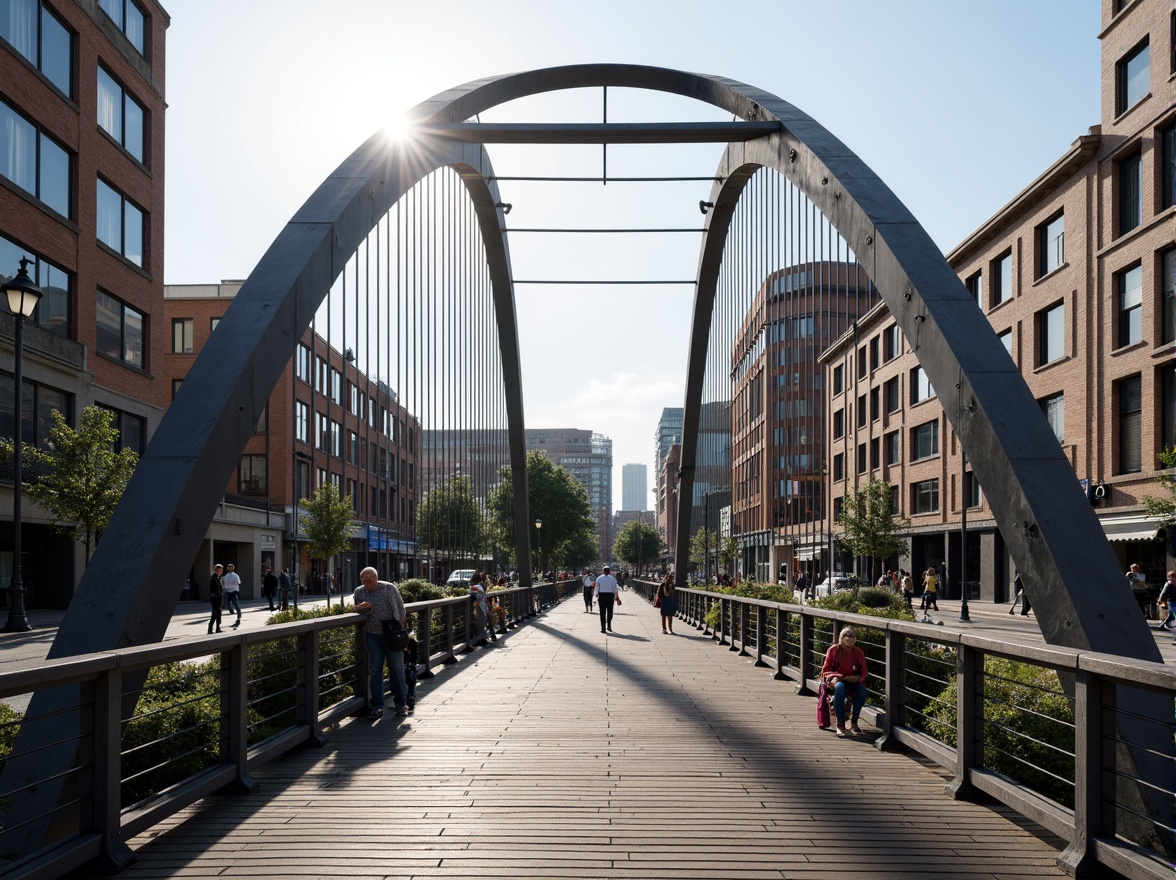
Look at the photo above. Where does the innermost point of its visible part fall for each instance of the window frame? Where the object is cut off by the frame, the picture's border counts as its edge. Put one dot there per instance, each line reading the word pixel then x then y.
pixel 1129 416
pixel 1167 152
pixel 925 441
pixel 116 11
pixel 920 384
pixel 124 340
pixel 126 206
pixel 1054 409
pixel 927 490
pixel 1044 320
pixel 43 178
pixel 1001 275
pixel 183 332
pixel 1129 185
pixel 975 285
pixel 126 101
pixel 44 47
pixel 1051 244
pixel 55 311
pixel 1166 304
pixel 1128 306
pixel 1124 81
pixel 261 490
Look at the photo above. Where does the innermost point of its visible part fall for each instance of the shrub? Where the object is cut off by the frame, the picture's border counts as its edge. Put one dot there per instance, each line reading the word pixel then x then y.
pixel 874 601
pixel 419 590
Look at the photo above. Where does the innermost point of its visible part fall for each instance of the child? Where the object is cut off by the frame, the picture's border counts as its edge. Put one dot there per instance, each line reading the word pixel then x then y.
pixel 410 672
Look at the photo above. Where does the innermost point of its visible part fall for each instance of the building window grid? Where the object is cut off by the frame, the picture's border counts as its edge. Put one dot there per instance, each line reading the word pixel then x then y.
pixel 1052 244
pixel 925 441
pixel 1002 278
pixel 925 496
pixel 1130 394
pixel 121 116
pixel 55 310
pixel 33 161
pixel 120 331
pixel 893 447
pixel 1130 177
pixel 1051 334
pixel 43 40
pixel 182 342
pixel 1132 78
pixel 120 223
pixel 129 17
pixel 1054 408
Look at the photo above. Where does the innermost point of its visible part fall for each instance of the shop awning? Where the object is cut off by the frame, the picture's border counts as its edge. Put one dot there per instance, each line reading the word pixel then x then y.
pixel 1130 528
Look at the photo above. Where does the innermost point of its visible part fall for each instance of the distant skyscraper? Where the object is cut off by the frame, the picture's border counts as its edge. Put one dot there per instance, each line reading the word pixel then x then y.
pixel 634 487
pixel 669 432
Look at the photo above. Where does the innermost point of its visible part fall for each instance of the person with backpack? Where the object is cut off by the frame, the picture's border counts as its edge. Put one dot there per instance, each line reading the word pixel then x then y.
pixel 1165 601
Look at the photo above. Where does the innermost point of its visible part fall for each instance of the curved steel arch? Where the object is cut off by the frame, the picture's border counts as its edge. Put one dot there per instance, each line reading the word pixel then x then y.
pixel 174 493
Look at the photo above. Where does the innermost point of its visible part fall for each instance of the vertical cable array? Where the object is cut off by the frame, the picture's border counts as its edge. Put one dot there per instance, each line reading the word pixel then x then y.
pixel 405 395
pixel 788 288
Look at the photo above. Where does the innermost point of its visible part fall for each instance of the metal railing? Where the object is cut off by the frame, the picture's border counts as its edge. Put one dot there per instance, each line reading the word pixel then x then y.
pixel 111 744
pixel 1078 742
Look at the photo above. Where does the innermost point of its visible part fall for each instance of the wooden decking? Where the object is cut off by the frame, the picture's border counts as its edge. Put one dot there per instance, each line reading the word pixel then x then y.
pixel 562 752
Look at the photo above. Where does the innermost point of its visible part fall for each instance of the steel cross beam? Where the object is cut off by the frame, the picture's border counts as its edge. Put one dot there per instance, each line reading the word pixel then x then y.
pixel 600 132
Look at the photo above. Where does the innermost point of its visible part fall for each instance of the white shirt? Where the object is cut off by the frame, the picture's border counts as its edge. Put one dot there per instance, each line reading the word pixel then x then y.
pixel 606 583
pixel 231 582
pixel 588 581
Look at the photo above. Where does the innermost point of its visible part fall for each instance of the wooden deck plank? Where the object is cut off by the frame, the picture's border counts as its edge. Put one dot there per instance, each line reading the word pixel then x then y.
pixel 563 753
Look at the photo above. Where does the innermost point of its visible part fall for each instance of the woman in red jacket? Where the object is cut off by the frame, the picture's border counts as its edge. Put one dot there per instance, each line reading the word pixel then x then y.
pixel 844 671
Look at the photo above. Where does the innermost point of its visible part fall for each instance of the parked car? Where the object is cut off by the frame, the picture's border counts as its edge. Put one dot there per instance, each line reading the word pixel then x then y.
pixel 460 577
pixel 836 584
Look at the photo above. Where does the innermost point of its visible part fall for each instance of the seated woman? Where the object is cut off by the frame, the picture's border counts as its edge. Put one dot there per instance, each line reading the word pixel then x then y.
pixel 844 671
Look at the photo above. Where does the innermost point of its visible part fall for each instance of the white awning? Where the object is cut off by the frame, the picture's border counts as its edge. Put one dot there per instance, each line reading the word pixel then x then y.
pixel 1130 528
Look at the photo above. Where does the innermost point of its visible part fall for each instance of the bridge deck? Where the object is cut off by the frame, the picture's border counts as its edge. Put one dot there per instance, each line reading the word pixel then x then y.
pixel 566 753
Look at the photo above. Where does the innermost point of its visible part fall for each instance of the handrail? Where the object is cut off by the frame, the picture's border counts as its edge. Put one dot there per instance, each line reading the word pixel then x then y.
pixel 1108 824
pixel 98 694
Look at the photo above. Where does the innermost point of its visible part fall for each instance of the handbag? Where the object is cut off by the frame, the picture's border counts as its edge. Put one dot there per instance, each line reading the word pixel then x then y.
pixel 395 636
pixel 657 600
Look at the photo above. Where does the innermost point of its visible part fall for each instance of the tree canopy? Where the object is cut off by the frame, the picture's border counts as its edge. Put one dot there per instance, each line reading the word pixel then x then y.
pixel 1164 505
pixel 871 527
pixel 557 499
pixel 451 520
pixel 83 477
pixel 703 543
pixel 638 543
pixel 328 522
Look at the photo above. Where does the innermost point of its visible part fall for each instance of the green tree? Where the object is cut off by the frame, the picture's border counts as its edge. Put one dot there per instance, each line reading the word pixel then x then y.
pixel 328 522
pixel 1164 506
pixel 704 543
pixel 452 522
pixel 638 544
pixel 872 528
pixel 555 497
pixel 83 478
pixel 582 549
pixel 728 553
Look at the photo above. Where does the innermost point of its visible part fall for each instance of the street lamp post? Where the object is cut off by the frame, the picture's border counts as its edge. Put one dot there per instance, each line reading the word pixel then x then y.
pixel 23 297
pixel 539 545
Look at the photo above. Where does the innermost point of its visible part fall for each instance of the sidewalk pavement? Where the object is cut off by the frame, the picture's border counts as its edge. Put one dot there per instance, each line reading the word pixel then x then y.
pixel 190 620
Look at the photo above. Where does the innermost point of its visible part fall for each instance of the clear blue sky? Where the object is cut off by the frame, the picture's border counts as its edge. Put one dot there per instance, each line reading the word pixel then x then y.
pixel 957 106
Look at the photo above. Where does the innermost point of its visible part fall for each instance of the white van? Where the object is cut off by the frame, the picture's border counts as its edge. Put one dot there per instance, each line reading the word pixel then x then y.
pixel 460 577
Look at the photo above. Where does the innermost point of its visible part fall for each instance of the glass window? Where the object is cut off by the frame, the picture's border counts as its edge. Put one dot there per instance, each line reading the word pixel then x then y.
pixel 181 335
pixel 893 447
pixel 838 379
pixel 130 19
pixel 1167 386
pixel 925 441
pixel 37 405
pixel 890 390
pixel 920 386
pixel 1168 164
pixel 120 331
pixel 261 425
pixel 301 421
pixel 973 489
pixel 35 162
pixel 1002 279
pixel 132 429
pixel 1130 193
pixel 839 466
pixel 54 311
pixel 975 286
pixel 839 423
pixel 925 496
pixel 176 383
pixel 1006 339
pixel 1130 424
pixel 251 476
pixel 1051 243
pixel 213 323
pixel 861 411
pixel 890 342
pixel 36 33
pixel 120 115
pixel 1132 78
pixel 874 405
pixel 861 458
pixel 303 363
pixel 1055 413
pixel 120 223
pixel 1051 334
pixel 1129 293
pixel 1168 295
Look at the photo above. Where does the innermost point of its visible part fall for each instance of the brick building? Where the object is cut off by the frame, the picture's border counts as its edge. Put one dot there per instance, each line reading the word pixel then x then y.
pixel 325 421
pixel 82 109
pixel 1077 275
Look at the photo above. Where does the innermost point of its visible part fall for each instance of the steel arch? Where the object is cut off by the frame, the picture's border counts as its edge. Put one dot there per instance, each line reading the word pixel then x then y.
pixel 172 497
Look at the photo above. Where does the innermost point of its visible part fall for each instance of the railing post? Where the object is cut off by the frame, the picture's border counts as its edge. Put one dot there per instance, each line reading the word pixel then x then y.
pixel 969 715
pixel 780 617
pixel 723 629
pixel 895 695
pixel 742 606
pixel 450 636
pixel 761 624
pixel 309 646
pixel 235 717
pixel 703 607
pixel 116 855
pixel 806 655
pixel 1079 858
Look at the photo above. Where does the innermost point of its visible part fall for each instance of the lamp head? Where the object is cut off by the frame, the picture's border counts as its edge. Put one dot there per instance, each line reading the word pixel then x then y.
pixel 22 294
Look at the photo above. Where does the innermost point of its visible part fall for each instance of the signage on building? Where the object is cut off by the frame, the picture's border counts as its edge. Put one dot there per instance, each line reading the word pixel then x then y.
pixel 269 542
pixel 380 539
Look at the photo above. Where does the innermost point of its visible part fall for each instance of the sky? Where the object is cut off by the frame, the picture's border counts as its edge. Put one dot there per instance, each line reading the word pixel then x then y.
pixel 956 106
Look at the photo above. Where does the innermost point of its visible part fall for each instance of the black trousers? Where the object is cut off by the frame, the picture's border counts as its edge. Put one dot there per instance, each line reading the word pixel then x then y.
pixel 604 601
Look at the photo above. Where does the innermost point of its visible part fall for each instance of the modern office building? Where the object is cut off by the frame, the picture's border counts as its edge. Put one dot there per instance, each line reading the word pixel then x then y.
pixel 667 498
pixel 325 421
pixel 587 456
pixel 634 487
pixel 82 109
pixel 1077 275
pixel 669 432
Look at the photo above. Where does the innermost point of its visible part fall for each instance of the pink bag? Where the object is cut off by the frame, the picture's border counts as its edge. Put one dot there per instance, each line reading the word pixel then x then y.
pixel 823 695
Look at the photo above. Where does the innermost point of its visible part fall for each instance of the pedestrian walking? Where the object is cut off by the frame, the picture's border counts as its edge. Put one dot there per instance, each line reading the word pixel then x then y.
pixel 216 590
pixel 1020 597
pixel 908 590
pixel 269 587
pixel 1166 600
pixel 232 585
pixel 607 593
pixel 667 601
pixel 589 583
pixel 930 593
